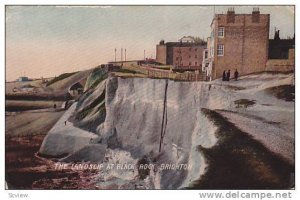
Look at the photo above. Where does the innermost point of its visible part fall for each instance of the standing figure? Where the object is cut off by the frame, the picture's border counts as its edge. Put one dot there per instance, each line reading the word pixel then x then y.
pixel 224 75
pixel 236 74
pixel 228 75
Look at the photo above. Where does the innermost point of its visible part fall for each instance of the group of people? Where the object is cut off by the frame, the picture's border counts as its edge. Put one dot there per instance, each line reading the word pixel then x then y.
pixel 226 75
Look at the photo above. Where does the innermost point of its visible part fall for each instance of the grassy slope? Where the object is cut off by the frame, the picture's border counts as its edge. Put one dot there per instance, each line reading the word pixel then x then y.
pixel 95 77
pixel 60 77
pixel 63 85
pixel 88 117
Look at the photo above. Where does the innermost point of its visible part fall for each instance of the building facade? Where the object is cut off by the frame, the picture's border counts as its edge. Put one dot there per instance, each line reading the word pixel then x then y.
pixel 237 41
pixel 186 54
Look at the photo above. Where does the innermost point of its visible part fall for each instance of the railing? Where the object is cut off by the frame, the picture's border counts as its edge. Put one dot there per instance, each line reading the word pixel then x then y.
pixel 152 72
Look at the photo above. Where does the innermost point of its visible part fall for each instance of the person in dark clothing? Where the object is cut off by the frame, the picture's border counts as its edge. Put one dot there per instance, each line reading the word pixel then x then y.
pixel 65 123
pixel 228 75
pixel 236 74
pixel 66 105
pixel 224 76
pixel 54 106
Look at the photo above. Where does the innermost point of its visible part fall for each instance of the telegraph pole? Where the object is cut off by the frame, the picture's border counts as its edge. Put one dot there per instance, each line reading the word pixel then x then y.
pixel 115 54
pixel 125 55
pixel 121 54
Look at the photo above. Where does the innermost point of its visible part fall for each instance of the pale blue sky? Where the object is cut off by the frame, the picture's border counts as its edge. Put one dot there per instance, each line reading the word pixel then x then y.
pixel 48 40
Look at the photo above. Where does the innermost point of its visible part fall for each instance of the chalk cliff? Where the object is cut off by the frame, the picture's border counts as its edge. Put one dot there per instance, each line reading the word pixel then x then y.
pixel 157 121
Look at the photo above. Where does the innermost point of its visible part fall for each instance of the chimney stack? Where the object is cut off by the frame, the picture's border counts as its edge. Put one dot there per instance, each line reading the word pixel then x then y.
pixel 230 15
pixel 255 15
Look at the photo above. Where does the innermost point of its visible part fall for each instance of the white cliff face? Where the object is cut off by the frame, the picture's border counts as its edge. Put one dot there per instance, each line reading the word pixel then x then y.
pixel 64 138
pixel 139 110
pixel 135 118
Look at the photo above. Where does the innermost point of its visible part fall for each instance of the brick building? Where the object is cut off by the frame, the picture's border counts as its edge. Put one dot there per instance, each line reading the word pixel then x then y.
pixel 183 55
pixel 237 41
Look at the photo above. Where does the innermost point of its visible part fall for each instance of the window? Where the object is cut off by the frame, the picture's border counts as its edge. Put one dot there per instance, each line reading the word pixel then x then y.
pixel 195 56
pixel 190 63
pixel 221 32
pixel 220 50
pixel 196 49
pixel 195 63
pixel 206 54
pixel 190 56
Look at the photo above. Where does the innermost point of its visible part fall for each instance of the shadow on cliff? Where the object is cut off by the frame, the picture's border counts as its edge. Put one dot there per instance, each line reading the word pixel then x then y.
pixel 238 161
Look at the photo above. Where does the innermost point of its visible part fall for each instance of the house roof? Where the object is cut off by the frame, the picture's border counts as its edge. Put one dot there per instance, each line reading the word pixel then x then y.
pixel 184 44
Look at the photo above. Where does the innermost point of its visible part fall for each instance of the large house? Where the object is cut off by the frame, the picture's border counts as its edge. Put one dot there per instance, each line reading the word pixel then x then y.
pixel 237 41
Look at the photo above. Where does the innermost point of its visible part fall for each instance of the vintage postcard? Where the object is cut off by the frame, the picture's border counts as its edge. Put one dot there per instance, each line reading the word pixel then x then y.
pixel 150 97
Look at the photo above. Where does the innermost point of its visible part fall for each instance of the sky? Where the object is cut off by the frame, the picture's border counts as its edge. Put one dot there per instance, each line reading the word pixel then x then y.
pixel 45 41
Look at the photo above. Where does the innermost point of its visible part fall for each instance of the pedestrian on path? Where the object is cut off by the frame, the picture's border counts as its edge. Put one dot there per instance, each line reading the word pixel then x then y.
pixel 224 75
pixel 228 75
pixel 236 75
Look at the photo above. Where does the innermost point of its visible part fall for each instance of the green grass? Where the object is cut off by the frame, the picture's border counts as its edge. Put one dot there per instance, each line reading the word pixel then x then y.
pixel 96 77
pixel 88 109
pixel 97 81
pixel 60 77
